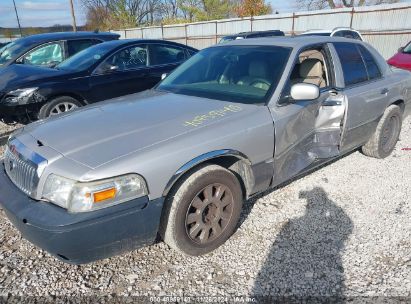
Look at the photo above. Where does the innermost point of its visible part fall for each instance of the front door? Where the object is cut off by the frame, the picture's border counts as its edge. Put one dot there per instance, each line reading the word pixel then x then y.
pixel 308 131
pixel 123 73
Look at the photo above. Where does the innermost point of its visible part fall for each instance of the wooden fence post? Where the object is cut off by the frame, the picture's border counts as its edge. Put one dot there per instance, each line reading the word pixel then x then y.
pixel 352 17
pixel 293 26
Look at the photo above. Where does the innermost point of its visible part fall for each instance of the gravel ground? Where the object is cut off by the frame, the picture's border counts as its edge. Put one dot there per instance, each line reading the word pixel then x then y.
pixel 343 230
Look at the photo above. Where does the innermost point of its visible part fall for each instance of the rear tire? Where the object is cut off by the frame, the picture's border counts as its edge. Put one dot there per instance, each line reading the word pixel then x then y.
pixel 383 141
pixel 57 106
pixel 202 211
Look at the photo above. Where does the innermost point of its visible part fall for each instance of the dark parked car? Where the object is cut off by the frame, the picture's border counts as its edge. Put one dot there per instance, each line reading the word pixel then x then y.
pixel 3 44
pixel 101 72
pixel 402 59
pixel 51 48
pixel 247 35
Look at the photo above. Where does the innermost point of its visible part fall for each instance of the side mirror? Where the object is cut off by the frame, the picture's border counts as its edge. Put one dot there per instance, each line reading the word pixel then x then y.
pixel 52 64
pixel 400 49
pixel 164 76
pixel 113 68
pixel 305 91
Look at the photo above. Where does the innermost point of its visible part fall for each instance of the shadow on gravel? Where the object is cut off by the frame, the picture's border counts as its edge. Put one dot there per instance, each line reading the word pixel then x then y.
pixel 305 260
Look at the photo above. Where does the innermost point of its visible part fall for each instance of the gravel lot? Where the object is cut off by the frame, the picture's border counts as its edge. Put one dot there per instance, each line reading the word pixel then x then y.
pixel 343 230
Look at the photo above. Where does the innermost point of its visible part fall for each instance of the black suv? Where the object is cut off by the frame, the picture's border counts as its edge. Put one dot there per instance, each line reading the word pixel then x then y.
pixel 51 48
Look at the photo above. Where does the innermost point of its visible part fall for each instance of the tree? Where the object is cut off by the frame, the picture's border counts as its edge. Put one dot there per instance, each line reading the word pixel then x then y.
pixel 190 8
pixel 32 31
pixel 322 4
pixel 214 9
pixel 97 19
pixel 248 8
pixel 8 33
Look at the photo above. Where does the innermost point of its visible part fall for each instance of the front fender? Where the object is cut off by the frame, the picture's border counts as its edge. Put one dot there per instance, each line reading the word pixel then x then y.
pixel 242 167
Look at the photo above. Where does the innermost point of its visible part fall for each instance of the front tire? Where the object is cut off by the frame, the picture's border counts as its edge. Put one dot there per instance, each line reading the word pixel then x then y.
pixel 385 137
pixel 58 106
pixel 202 211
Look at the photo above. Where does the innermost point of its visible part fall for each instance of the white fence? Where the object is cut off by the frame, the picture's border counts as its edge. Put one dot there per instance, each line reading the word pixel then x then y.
pixel 386 27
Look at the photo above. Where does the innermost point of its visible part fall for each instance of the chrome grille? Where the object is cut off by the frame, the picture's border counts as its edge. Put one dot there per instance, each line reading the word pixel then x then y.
pixel 22 167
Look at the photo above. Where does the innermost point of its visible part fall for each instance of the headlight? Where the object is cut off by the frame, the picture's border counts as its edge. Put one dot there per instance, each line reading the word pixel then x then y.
pixel 80 197
pixel 20 95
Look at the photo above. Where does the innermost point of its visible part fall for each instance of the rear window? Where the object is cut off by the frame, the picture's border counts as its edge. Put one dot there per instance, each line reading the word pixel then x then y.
pixel 353 66
pixel 370 63
pixel 75 46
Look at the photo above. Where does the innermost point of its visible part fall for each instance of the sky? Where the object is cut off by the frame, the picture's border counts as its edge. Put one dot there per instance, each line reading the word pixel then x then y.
pixel 50 12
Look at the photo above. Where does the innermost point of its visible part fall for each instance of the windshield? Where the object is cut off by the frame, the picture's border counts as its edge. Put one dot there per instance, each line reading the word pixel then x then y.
pixel 86 58
pixel 407 49
pixel 11 51
pixel 247 74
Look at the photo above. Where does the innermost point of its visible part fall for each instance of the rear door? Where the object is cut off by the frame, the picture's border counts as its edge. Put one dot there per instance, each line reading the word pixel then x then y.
pixel 163 58
pixel 366 91
pixel 308 131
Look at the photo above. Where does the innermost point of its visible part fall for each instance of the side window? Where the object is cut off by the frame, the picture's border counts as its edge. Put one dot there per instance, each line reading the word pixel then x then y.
pixel 191 52
pixel 75 46
pixel 355 36
pixel 339 34
pixel 372 67
pixel 311 67
pixel 130 58
pixel 352 64
pixel 165 54
pixel 51 53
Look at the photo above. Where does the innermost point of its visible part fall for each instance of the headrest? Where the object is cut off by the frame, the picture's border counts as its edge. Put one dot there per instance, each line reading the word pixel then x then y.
pixel 258 69
pixel 311 68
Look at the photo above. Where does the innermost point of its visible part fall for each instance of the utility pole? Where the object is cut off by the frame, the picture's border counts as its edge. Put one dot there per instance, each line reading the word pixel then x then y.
pixel 73 16
pixel 18 20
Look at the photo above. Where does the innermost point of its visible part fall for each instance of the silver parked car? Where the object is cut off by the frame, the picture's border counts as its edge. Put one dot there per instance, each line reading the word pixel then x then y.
pixel 179 160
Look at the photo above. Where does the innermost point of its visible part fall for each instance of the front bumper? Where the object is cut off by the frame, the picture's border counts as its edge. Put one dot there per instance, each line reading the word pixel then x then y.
pixel 81 237
pixel 11 112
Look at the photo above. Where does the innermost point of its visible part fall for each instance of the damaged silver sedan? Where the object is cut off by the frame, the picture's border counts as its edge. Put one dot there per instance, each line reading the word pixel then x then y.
pixel 179 160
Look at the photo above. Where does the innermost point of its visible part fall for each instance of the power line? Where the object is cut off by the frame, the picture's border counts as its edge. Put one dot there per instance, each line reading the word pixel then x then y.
pixel 18 20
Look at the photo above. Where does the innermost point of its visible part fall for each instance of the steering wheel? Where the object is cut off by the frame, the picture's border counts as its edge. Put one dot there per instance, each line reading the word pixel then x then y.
pixel 260 83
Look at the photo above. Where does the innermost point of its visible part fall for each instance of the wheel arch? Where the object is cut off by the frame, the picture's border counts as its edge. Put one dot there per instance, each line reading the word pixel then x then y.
pixel 399 103
pixel 233 160
pixel 77 97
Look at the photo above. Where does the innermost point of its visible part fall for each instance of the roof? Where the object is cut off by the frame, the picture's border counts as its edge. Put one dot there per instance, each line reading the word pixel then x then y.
pixel 66 35
pixel 121 42
pixel 291 42
pixel 320 31
pixel 253 33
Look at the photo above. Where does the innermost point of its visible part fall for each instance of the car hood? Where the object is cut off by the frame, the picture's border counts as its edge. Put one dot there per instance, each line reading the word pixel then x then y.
pixel 401 60
pixel 98 134
pixel 18 75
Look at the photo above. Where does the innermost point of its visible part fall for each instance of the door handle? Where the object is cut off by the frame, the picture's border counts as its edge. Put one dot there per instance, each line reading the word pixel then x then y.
pixel 331 103
pixel 384 91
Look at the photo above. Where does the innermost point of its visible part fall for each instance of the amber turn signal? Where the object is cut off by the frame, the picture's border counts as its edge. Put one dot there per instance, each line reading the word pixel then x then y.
pixel 104 195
